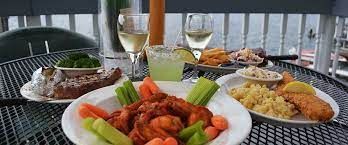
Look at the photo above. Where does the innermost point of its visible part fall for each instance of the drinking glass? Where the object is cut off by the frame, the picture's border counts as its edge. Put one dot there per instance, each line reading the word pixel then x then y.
pixel 164 63
pixel 133 33
pixel 198 32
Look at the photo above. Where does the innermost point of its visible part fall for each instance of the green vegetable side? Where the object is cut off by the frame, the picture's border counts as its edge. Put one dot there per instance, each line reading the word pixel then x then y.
pixel 79 60
pixel 106 134
pixel 194 134
pixel 202 92
pixel 127 94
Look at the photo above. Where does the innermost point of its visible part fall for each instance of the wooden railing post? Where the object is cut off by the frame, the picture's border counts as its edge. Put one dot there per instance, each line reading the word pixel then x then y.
pixel 327 44
pixel 264 30
pixel 33 20
pixel 72 22
pixel 183 21
pixel 245 29
pixel 1 25
pixel 319 34
pixel 301 28
pixel 226 29
pixel 21 21
pixel 339 30
pixel 96 27
pixel 283 27
pixel 48 20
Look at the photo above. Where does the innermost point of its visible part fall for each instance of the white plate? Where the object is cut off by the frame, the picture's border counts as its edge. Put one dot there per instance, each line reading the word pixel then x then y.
pixel 78 69
pixel 238 118
pixel 240 72
pixel 27 92
pixel 230 81
pixel 220 69
pixel 249 63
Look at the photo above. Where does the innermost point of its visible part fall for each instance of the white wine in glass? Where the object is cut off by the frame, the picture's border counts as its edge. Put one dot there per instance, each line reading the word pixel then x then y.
pixel 133 42
pixel 198 32
pixel 133 33
pixel 198 38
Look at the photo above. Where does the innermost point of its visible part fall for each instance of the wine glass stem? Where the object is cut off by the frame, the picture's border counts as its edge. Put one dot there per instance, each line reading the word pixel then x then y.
pixel 195 71
pixel 133 59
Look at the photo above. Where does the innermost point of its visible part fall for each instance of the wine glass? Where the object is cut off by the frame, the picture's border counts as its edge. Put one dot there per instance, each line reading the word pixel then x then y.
pixel 133 33
pixel 198 32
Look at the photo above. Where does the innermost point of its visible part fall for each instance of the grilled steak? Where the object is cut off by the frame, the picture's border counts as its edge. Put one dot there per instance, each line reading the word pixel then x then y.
pixel 75 87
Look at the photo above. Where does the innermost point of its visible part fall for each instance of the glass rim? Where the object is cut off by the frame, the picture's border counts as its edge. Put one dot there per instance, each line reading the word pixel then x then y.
pixel 133 15
pixel 199 14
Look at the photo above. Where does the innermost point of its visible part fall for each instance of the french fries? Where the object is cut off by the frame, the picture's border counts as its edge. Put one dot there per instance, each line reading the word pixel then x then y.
pixel 214 57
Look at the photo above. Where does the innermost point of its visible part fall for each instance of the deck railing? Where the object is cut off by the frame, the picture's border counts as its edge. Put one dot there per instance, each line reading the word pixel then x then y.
pixel 328 38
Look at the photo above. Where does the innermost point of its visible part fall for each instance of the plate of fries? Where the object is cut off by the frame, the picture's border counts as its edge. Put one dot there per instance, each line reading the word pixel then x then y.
pixel 219 60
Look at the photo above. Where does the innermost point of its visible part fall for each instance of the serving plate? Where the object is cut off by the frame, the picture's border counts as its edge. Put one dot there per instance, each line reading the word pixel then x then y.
pixel 223 69
pixel 248 63
pixel 240 72
pixel 73 72
pixel 28 93
pixel 230 81
pixel 238 117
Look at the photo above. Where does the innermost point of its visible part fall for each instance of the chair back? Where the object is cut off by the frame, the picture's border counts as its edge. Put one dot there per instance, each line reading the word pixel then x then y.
pixel 30 41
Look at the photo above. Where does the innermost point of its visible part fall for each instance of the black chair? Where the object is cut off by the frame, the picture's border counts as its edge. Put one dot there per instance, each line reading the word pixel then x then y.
pixel 29 41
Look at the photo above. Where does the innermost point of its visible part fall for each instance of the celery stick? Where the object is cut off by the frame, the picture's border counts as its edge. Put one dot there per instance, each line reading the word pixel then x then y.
pixel 203 95
pixel 210 94
pixel 187 132
pixel 87 124
pixel 196 90
pixel 131 91
pixel 199 138
pixel 122 96
pixel 126 94
pixel 110 133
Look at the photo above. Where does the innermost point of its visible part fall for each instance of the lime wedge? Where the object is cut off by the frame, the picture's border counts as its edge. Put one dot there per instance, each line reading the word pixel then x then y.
pixel 185 54
pixel 299 87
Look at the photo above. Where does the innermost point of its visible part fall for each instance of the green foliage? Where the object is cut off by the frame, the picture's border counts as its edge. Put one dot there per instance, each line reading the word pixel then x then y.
pixel 79 60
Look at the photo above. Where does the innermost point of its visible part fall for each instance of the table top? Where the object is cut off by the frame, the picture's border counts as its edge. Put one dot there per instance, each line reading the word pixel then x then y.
pixel 27 122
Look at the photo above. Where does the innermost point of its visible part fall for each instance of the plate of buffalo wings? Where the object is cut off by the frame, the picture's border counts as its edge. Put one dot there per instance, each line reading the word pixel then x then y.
pixel 288 103
pixel 218 59
pixel 156 113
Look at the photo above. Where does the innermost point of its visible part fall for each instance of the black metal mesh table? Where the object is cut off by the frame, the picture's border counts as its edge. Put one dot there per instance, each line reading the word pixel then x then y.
pixel 24 122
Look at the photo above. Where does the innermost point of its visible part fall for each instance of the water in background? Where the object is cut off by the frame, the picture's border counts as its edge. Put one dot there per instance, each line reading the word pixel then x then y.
pixel 173 27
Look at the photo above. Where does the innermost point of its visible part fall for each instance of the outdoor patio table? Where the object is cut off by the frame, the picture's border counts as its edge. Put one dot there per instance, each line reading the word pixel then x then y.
pixel 27 122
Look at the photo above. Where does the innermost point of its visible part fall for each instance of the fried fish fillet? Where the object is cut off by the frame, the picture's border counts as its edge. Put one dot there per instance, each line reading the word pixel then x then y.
pixel 310 106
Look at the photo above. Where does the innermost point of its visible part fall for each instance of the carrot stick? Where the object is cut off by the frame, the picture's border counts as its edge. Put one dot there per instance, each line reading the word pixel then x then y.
pixel 96 110
pixel 170 141
pixel 145 91
pixel 212 132
pixel 84 112
pixel 155 141
pixel 151 85
pixel 219 122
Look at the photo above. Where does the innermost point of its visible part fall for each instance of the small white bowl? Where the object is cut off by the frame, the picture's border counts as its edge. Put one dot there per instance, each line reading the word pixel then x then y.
pixel 74 72
pixel 268 82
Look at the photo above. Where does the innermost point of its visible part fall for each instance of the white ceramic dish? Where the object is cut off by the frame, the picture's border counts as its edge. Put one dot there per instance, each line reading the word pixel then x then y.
pixel 73 72
pixel 230 81
pixel 223 69
pixel 27 92
pixel 238 117
pixel 248 63
pixel 240 72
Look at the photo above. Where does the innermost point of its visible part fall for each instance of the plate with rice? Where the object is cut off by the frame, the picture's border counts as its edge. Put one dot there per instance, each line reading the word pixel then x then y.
pixel 265 105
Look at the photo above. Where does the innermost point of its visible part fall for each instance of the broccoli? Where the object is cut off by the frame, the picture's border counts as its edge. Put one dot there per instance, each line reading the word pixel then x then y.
pixel 95 62
pixel 77 56
pixel 65 63
pixel 83 63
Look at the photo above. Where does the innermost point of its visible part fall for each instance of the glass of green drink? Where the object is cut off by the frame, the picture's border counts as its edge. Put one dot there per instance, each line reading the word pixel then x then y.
pixel 164 63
